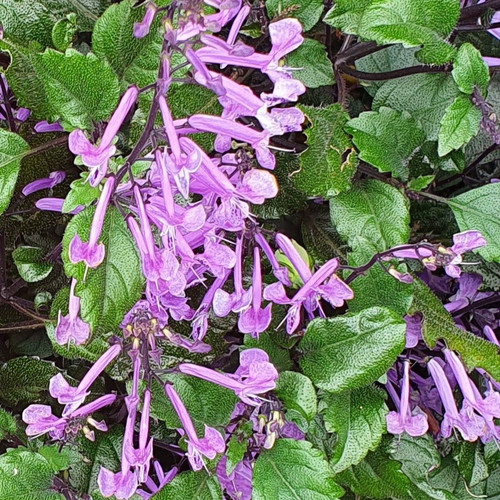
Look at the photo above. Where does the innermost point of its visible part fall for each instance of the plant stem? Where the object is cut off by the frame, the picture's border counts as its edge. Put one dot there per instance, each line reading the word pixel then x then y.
pixel 389 75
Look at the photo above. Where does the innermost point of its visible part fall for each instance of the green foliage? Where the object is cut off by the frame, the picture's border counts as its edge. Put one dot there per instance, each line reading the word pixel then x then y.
pixel 469 69
pixel 329 162
pixel 278 356
pixel 30 264
pixel 111 289
pixel 358 419
pixel 314 67
pixel 81 193
pixel 8 424
pixel 199 485
pixel 478 209
pixel 64 32
pixel 307 12
pixel 12 150
pixel 293 470
pixel 386 139
pixel 297 393
pixel 353 350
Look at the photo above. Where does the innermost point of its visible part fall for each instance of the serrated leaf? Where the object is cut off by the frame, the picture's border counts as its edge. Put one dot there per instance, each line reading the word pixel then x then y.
pixel 314 69
pixel 469 69
pixel 81 193
pixel 374 211
pixel 58 459
pixel 358 419
pixel 207 403
pixel 27 475
pixel 8 424
pixel 459 125
pixel 471 463
pixel 111 289
pixel 438 324
pixel 297 393
pixel 238 445
pixel 30 264
pixel 353 350
pixel 278 356
pixel 478 209
pixel 329 162
pixel 293 470
pixel 196 485
pixel 12 150
pixel 386 139
pixel 346 15
pixel 307 12
pixel 425 96
pixel 22 379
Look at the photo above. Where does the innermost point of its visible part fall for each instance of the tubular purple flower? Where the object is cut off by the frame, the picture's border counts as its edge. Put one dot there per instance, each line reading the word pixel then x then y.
pixel 237 24
pixel 462 243
pixel 279 272
pixel 22 114
pixel 49 182
pixel 285 244
pixel 142 29
pixel 71 327
pixel 97 157
pixel 55 205
pixel 490 335
pixel 91 252
pixel 208 446
pixel 402 420
pixel 44 126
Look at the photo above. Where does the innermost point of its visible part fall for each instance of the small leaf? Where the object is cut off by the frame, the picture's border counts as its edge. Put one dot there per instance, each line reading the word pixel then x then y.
pixel 196 485
pixel 63 32
pixel 313 68
pixel 297 393
pixel 471 462
pixel 30 264
pixel 329 162
pixel 12 150
pixel 111 289
pixel 58 459
pixel 420 183
pixel 358 419
pixel 293 470
pixel 353 350
pixel 437 324
pixel 8 424
pixel 346 15
pixel 386 139
pixel 478 209
pixel 307 12
pixel 459 125
pixel 81 193
pixel 469 69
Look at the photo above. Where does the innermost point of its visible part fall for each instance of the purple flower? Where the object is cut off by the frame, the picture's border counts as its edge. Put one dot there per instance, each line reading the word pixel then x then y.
pixel 255 375
pixel 216 256
pixel 403 420
pixel 462 243
pixel 55 205
pixel 44 126
pixel 162 478
pixel 413 332
pixel 208 446
pixel 71 327
pixel 279 272
pixel 49 182
pixel 91 252
pixel 254 320
pixel 97 157
pixel 142 29
pixel 121 484
pixel 237 484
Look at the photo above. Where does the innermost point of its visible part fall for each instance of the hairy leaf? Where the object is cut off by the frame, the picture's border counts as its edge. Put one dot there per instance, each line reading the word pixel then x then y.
pixel 307 12
pixel 30 264
pixel 297 393
pixel 196 485
pixel 469 69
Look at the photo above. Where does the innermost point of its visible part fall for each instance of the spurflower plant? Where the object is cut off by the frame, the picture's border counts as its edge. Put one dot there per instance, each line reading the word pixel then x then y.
pixel 249 250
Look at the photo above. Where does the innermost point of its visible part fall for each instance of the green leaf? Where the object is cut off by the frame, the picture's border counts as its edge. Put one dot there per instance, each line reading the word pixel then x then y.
pixel 297 393
pixel 459 125
pixel 196 485
pixel 471 463
pixel 478 209
pixel 26 475
pixel 81 193
pixel 111 289
pixel 422 23
pixel 12 150
pixel 353 350
pixel 307 12
pixel 133 60
pixel 374 211
pixel 63 32
pixel 30 264
pixel 346 15
pixel 278 356
pixel 58 459
pixel 315 69
pixel 425 96
pixel 358 418
pixel 420 183
pixel 207 403
pixel 24 378
pixel 438 324
pixel 238 445
pixel 293 470
pixel 469 69
pixel 386 139
pixel 329 162
pixel 69 100
pixel 8 424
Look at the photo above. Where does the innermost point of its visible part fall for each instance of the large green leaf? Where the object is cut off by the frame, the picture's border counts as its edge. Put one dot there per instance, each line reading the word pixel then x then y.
pixel 479 209
pixel 353 350
pixel 459 125
pixel 293 470
pixel 314 69
pixel 26 475
pixel 372 211
pixel 111 289
pixel 297 393
pixel 358 419
pixel 346 15
pixel 469 69
pixel 30 264
pixel 437 324
pixel 12 150
pixel 329 162
pixel 307 12
pixel 196 485
pixel 386 139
